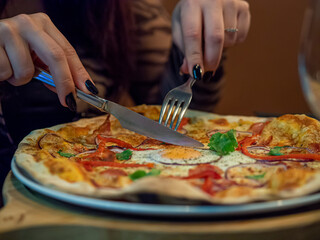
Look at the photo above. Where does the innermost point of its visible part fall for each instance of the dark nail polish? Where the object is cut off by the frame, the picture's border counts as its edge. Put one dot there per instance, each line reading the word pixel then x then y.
pixel 71 102
pixel 207 76
pixel 197 71
pixel 91 87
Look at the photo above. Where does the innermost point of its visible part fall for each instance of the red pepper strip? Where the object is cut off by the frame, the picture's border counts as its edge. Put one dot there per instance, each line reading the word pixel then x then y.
pixel 208 185
pixel 100 151
pixel 204 174
pixel 257 128
pixel 87 167
pixel 248 142
pixel 184 122
pixel 120 143
pixel 115 164
pixel 101 148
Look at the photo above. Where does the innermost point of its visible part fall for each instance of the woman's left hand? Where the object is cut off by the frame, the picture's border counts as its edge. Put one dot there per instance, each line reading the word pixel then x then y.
pixel 200 30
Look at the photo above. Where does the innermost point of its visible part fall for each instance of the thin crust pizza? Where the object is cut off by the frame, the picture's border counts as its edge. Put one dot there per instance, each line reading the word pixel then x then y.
pixel 245 159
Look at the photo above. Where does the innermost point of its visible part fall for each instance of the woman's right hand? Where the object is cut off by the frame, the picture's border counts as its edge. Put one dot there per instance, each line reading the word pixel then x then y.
pixel 24 38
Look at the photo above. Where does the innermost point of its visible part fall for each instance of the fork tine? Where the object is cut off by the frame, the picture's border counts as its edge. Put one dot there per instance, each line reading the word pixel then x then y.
pixel 173 102
pixel 178 107
pixel 182 112
pixel 163 108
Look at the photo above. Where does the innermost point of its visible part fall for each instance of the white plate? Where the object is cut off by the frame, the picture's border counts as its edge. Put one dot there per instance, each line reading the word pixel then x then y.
pixel 165 210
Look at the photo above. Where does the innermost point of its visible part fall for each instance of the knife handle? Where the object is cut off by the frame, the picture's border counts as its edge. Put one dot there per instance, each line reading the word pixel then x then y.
pixel 93 100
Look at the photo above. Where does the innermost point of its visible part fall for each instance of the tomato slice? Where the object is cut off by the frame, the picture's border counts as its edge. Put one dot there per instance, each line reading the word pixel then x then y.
pixel 257 128
pixel 184 121
pixel 208 185
pixel 204 171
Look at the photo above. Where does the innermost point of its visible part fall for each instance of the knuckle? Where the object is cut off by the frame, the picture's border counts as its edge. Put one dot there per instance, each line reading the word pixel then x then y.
pixel 216 38
pixel 5 74
pixel 24 75
pixel 23 20
pixel 70 51
pixel 42 17
pixel 231 4
pixel 7 29
pixel 56 54
pixel 80 71
pixel 245 6
pixel 194 57
pixel 193 34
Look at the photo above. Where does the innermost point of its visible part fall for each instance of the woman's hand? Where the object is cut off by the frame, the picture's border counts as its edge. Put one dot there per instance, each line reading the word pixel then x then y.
pixel 199 26
pixel 26 39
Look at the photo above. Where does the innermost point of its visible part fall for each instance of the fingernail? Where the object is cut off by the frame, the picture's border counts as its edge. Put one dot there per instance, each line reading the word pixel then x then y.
pixel 197 71
pixel 91 87
pixel 207 76
pixel 71 102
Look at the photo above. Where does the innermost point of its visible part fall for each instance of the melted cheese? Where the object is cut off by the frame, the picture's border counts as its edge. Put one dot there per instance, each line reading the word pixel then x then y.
pixel 65 169
pixel 292 130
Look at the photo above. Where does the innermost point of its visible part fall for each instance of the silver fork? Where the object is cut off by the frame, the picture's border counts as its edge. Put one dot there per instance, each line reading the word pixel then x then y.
pixel 178 101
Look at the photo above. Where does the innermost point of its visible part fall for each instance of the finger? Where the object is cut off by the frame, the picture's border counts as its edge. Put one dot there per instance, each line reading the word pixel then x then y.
pixel 184 67
pixel 37 62
pixel 5 67
pixel 191 22
pixel 213 35
pixel 79 74
pixel 51 54
pixel 230 15
pixel 21 62
pixel 244 18
pixel 53 89
pixel 177 37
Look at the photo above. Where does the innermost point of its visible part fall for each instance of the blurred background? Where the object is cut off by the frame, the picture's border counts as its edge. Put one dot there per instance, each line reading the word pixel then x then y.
pixel 262 73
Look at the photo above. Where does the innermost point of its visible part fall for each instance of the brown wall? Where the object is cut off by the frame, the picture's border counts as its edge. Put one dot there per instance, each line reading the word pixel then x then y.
pixel 262 73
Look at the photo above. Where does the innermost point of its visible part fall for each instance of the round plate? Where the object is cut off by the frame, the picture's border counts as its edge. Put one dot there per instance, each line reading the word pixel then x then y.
pixel 164 210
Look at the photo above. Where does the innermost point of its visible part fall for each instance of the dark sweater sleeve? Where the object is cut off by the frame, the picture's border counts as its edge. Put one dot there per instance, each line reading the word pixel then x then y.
pixel 206 93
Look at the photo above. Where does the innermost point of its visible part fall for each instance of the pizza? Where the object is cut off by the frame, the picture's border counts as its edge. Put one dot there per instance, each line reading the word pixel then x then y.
pixel 244 159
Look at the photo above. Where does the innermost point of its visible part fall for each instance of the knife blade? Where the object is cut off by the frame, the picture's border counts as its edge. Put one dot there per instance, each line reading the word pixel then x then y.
pixel 129 119
pixel 147 127
pixel 138 123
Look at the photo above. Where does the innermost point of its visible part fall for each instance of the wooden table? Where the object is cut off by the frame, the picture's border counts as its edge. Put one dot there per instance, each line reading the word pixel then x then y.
pixel 29 215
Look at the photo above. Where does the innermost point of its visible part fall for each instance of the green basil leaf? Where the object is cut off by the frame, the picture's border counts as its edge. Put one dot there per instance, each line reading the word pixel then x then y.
pixel 137 174
pixel 125 155
pixel 64 154
pixel 140 174
pixel 223 143
pixel 275 151
pixel 256 177
pixel 154 172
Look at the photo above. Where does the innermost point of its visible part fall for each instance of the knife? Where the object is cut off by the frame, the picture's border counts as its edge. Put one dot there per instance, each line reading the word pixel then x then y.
pixel 127 118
